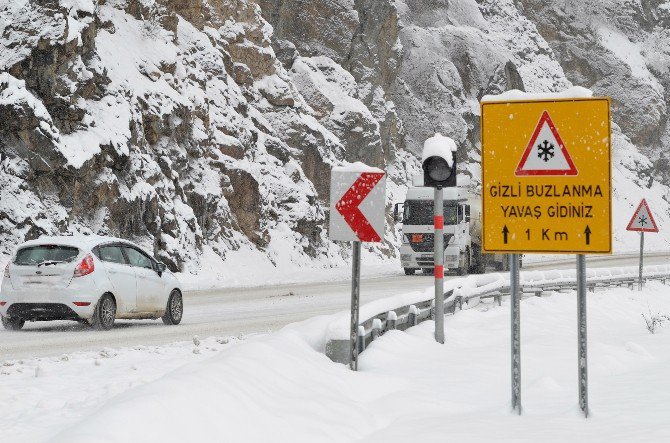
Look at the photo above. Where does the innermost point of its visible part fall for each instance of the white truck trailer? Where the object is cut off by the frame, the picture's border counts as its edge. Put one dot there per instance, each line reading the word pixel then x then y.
pixel 462 233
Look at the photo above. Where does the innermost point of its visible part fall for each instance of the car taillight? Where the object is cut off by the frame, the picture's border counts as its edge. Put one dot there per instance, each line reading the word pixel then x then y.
pixel 85 267
pixel 7 271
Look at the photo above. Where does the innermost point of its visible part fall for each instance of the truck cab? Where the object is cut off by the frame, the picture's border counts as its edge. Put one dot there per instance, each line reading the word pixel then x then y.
pixel 416 216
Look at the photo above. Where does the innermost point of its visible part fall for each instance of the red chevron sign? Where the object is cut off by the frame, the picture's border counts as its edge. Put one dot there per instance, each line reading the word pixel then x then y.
pixel 357 206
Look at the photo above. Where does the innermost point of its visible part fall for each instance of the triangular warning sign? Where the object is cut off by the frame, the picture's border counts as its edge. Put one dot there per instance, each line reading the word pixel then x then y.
pixel 546 153
pixel 642 220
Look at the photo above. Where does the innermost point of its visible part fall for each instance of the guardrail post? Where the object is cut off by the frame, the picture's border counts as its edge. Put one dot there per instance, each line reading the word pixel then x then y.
pixel 391 320
pixel 413 316
pixel 361 339
pixel 376 329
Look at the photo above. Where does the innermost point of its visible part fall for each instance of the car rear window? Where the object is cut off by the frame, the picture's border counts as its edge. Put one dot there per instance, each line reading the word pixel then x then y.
pixel 33 255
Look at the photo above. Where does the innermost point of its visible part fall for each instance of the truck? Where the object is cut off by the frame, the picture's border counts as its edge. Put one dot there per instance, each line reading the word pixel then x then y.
pixel 462 233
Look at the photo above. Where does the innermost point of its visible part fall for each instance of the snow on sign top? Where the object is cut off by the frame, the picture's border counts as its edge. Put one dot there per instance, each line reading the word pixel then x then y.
pixel 356 167
pixel 439 146
pixel 546 153
pixel 642 220
pixel 515 94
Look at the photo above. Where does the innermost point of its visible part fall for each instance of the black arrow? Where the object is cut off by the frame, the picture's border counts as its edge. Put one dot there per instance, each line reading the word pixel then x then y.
pixel 505 231
pixel 587 231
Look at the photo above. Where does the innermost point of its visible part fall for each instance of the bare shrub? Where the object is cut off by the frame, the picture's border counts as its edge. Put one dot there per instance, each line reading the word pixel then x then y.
pixel 654 321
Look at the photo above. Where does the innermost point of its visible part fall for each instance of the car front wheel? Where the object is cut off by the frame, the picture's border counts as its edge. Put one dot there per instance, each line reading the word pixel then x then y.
pixel 13 323
pixel 105 313
pixel 174 309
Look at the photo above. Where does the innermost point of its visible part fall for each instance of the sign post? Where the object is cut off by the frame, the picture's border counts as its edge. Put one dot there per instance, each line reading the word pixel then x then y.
pixel 438 258
pixel 515 295
pixel 642 221
pixel 582 371
pixel 357 213
pixel 355 303
pixel 546 188
pixel 438 162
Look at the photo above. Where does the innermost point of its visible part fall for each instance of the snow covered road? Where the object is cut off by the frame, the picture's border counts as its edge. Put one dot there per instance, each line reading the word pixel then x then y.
pixel 235 311
pixel 280 387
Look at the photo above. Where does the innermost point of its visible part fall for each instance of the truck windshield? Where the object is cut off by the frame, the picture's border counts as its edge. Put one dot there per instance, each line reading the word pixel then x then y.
pixel 420 212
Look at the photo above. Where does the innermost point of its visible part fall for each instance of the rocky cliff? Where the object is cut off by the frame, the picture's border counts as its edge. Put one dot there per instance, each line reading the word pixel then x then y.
pixel 209 126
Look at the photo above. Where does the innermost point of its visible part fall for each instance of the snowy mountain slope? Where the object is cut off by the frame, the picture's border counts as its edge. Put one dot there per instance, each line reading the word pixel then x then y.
pixel 174 126
pixel 205 130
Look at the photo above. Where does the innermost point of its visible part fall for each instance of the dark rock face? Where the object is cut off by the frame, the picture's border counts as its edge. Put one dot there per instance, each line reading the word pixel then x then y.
pixel 186 124
pixel 611 55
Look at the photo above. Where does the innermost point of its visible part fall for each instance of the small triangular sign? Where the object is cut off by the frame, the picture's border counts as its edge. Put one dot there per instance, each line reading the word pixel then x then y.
pixel 642 220
pixel 546 153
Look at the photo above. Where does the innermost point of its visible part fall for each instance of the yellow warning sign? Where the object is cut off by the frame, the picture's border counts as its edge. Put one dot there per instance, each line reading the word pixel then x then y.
pixel 546 176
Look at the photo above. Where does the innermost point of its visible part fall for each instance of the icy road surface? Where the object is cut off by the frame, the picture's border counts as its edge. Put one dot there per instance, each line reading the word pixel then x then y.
pixel 235 311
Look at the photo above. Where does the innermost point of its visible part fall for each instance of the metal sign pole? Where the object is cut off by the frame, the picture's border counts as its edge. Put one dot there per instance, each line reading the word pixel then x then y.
pixel 516 332
pixel 639 287
pixel 355 298
pixel 438 263
pixel 581 335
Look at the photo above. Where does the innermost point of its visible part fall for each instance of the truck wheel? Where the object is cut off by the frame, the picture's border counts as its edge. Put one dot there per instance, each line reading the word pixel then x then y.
pixel 410 271
pixel 13 323
pixel 463 270
pixel 477 265
pixel 427 271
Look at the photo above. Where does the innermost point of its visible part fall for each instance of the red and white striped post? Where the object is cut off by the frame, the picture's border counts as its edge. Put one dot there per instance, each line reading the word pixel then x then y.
pixel 438 263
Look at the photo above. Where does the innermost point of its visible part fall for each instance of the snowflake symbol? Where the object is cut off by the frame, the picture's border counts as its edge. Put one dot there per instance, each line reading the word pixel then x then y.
pixel 545 150
pixel 643 220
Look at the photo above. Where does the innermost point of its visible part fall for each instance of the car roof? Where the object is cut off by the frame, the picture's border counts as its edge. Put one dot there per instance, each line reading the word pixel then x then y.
pixel 87 242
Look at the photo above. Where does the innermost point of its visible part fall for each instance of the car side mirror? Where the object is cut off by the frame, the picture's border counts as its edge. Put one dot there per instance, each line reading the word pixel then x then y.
pixel 160 268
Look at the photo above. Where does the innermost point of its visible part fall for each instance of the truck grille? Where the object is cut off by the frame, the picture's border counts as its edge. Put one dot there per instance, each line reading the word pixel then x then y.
pixel 424 242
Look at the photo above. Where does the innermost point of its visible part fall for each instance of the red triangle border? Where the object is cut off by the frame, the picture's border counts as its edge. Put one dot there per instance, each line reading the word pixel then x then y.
pixel 522 163
pixel 653 228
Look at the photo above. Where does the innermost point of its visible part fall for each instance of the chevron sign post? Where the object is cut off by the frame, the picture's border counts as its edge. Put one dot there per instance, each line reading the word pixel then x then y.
pixel 357 214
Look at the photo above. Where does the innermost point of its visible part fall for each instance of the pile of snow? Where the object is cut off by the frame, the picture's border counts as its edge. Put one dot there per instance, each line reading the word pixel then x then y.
pixel 515 94
pixel 439 146
pixel 408 387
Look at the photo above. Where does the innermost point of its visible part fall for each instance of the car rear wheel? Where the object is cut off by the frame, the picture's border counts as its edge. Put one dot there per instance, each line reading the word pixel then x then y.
pixel 174 309
pixel 13 323
pixel 105 313
pixel 409 271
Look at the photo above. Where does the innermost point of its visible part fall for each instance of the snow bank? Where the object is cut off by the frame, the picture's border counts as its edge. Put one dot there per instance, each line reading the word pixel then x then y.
pixel 439 146
pixel 515 94
pixel 280 387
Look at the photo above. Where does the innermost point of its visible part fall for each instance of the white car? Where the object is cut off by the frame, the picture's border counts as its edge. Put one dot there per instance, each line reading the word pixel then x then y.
pixel 89 279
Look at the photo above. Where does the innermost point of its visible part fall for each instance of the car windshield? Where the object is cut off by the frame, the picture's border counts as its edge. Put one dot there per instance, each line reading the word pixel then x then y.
pixel 33 255
pixel 420 212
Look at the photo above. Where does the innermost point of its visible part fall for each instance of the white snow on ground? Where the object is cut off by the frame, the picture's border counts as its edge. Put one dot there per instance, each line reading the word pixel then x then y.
pixel 280 387
pixel 41 395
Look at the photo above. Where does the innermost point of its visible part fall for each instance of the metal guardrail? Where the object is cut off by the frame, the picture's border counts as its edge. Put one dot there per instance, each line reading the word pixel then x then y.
pixel 406 316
